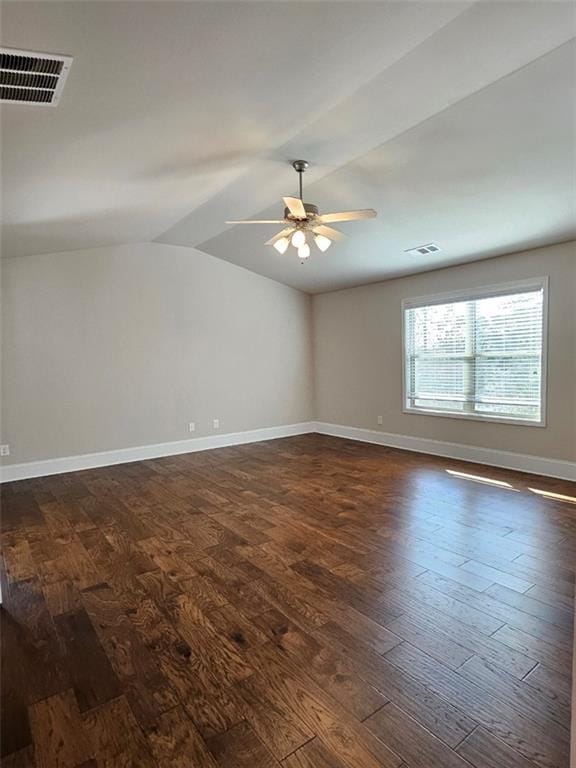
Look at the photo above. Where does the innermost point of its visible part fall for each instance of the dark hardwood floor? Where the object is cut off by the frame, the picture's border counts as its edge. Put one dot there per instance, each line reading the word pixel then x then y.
pixel 308 602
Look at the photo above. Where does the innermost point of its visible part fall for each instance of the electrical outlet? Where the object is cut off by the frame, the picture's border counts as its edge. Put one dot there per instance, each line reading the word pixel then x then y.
pixel 192 426
pixel 216 423
pixel 4 450
pixel 380 420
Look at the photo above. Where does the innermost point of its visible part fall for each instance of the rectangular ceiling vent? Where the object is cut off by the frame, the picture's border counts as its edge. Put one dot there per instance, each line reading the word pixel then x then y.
pixel 27 77
pixel 423 250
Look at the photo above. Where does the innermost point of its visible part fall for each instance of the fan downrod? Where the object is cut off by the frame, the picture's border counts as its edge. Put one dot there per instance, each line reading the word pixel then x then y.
pixel 300 166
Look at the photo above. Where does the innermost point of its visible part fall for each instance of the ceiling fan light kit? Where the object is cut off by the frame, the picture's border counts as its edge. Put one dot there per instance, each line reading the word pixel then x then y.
pixel 304 218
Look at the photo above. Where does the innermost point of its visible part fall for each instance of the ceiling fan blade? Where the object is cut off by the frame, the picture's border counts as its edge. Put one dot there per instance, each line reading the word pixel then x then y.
pixel 295 206
pixel 279 235
pixel 367 213
pixel 328 232
pixel 257 221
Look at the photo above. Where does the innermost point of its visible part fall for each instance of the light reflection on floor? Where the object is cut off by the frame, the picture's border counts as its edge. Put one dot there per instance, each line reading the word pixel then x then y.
pixel 554 496
pixel 457 519
pixel 481 479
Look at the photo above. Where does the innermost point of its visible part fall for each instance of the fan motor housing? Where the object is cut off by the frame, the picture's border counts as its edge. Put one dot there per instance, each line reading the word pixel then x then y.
pixel 310 208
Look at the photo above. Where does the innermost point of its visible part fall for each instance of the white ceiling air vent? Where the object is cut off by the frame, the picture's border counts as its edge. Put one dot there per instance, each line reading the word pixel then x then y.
pixel 423 250
pixel 27 77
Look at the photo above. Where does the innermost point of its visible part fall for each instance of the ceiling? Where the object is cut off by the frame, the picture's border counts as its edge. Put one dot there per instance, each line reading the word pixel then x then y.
pixel 454 120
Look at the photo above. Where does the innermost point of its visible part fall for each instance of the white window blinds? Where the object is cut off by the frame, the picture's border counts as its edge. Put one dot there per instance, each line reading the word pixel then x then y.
pixel 478 355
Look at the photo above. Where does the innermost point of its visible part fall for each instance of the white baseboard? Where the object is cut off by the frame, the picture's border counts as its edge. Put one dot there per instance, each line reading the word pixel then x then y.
pixel 537 465
pixel 11 472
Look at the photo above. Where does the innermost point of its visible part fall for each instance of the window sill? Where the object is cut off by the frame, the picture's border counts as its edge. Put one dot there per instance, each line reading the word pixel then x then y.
pixel 475 417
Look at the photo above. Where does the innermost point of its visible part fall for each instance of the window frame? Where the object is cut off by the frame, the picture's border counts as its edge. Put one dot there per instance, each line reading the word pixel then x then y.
pixel 482 292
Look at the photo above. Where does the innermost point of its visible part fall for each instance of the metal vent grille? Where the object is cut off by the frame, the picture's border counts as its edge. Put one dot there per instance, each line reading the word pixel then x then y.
pixel 423 250
pixel 27 77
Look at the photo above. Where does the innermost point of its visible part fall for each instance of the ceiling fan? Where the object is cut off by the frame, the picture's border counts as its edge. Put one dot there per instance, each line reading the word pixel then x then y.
pixel 303 221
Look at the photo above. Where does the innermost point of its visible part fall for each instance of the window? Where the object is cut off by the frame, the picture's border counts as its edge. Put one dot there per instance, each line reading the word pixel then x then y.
pixel 477 354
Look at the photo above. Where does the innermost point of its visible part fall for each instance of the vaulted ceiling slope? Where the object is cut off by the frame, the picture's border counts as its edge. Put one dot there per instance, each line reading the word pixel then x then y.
pixel 453 119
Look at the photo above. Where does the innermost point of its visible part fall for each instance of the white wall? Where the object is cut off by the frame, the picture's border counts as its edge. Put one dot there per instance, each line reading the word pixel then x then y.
pixel 124 346
pixel 358 355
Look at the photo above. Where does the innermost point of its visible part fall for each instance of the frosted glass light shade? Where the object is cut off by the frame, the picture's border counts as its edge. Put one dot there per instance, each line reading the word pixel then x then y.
pixel 282 244
pixel 304 251
pixel 322 242
pixel 298 238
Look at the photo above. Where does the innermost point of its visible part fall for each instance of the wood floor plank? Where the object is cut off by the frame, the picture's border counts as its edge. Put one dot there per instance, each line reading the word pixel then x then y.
pixel 290 603
pixel 18 559
pixel 91 674
pixel 556 686
pixel 527 700
pixel 23 758
pixel 494 575
pixel 240 747
pixel 176 743
pixel 20 510
pixel 175 656
pixel 562 572
pixel 115 737
pixel 214 653
pixel 61 597
pixel 435 644
pixel 484 750
pixel 77 565
pixel 278 727
pixel 551 597
pixel 232 624
pixel 501 612
pixel 410 740
pixel 34 666
pixel 309 602
pixel 165 556
pixel 488 648
pixel 136 667
pixel 327 668
pixel 158 585
pixel 439 716
pixel 497 715
pixel 313 755
pixel 536 648
pixel 15 724
pixel 558 616
pixel 214 711
pixel 411 597
pixel 462 575
pixel 59 735
pixel 323 715
pixel 363 628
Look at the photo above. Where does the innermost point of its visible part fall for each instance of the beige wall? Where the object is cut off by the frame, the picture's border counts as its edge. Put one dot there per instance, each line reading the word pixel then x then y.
pixel 124 346
pixel 358 355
